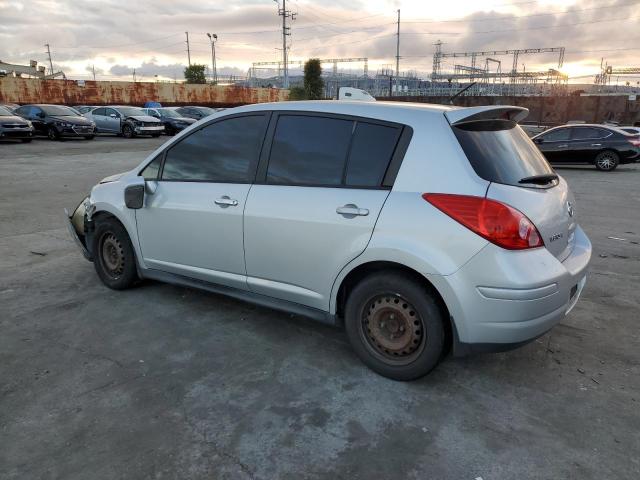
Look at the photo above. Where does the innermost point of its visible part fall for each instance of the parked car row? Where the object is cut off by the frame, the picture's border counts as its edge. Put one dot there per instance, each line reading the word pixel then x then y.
pixel 85 121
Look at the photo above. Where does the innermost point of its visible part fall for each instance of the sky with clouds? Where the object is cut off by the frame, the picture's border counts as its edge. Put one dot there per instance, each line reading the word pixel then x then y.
pixel 116 36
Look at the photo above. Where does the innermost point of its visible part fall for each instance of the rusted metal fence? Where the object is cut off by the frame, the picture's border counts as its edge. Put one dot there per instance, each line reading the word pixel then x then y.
pixel 552 110
pixel 73 92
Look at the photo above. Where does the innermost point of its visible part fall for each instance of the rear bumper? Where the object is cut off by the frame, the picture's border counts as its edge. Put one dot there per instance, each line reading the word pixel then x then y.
pixel 503 299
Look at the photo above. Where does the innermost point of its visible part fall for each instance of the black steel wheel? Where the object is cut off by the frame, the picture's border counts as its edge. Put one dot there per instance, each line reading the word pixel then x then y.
pixel 395 326
pixel 113 255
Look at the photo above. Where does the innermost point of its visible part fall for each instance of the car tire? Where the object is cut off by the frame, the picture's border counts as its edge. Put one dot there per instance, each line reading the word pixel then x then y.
pixel 90 137
pixel 607 161
pixel 52 134
pixel 27 140
pixel 395 326
pixel 113 255
pixel 127 131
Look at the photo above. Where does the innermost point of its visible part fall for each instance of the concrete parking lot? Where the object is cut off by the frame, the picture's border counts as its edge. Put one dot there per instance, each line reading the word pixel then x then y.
pixel 166 382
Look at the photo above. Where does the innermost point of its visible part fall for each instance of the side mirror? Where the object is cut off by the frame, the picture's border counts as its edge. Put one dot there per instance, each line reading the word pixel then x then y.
pixel 134 196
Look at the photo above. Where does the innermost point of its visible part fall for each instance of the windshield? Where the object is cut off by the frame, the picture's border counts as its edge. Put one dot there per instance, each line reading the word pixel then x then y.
pixel 131 111
pixel 500 151
pixel 206 110
pixel 167 112
pixel 4 112
pixel 59 111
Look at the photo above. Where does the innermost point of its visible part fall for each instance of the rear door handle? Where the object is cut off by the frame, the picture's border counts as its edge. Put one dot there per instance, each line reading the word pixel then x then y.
pixel 351 210
pixel 225 201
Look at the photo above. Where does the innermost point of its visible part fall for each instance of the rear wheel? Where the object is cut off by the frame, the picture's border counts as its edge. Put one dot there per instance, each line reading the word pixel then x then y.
pixel 114 259
pixel 395 326
pixel 607 161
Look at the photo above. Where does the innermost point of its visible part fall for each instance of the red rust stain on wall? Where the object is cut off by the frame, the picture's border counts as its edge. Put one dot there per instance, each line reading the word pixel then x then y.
pixel 71 92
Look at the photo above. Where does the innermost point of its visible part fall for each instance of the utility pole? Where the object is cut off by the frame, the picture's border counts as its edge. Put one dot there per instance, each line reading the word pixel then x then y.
pixel 93 69
pixel 188 49
pixel 398 52
pixel 134 75
pixel 286 31
pixel 50 61
pixel 212 38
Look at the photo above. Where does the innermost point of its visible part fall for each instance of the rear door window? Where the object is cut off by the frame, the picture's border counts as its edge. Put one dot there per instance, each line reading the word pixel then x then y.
pixel 309 150
pixel 371 151
pixel 499 151
pixel 588 133
pixel 225 151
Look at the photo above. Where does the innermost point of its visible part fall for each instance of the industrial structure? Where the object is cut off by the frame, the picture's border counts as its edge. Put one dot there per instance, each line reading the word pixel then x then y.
pixel 32 70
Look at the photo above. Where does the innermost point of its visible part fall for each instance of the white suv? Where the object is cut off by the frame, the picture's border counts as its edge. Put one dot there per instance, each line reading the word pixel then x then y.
pixel 421 228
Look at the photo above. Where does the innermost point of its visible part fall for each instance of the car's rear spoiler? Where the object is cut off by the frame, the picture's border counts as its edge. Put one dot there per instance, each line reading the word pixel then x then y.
pixel 498 112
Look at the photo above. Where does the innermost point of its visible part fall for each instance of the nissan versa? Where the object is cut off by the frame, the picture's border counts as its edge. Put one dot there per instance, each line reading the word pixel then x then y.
pixel 422 229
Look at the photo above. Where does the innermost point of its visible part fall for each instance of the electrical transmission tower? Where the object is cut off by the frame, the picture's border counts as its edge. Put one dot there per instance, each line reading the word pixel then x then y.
pixel 286 31
pixel 50 61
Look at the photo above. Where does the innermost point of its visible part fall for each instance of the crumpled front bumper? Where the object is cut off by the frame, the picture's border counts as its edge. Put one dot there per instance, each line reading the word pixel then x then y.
pixel 77 226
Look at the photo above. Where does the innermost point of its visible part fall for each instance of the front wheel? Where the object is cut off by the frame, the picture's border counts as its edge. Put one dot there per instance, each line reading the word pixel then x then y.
pixel 113 256
pixel 53 134
pixel 395 326
pixel 607 161
pixel 127 131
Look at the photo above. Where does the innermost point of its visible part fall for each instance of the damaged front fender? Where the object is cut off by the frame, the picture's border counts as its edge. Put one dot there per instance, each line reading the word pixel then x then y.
pixel 79 225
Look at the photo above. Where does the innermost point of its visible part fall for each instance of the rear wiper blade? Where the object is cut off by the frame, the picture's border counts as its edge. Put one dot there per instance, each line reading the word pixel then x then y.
pixel 540 179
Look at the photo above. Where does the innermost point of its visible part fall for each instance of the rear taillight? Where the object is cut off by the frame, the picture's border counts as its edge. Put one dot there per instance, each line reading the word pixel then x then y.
pixel 499 223
pixel 635 141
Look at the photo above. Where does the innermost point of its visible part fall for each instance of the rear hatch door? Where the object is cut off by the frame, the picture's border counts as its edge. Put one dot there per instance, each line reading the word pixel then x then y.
pixel 502 153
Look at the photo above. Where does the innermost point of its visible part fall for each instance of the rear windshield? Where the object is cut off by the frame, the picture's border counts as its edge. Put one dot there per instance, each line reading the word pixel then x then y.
pixel 500 151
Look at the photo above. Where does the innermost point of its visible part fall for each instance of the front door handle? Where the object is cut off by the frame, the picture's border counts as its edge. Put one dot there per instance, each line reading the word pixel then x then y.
pixel 351 210
pixel 225 201
pixel 563 146
pixel 596 144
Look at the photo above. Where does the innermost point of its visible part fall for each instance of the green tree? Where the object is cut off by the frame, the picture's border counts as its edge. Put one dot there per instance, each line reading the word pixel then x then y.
pixel 195 73
pixel 297 93
pixel 313 83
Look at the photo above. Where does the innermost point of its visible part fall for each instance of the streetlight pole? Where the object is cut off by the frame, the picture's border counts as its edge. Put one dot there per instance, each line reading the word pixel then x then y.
pixel 212 38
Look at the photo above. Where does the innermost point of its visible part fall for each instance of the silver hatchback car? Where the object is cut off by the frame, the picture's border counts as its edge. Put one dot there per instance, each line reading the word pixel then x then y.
pixel 422 229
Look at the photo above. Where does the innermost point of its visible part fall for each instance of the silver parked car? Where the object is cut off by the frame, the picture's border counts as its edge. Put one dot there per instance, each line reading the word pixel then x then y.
pixel 420 228
pixel 126 121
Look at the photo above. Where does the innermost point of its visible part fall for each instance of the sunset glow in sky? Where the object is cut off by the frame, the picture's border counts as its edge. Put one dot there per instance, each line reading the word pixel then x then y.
pixel 148 35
